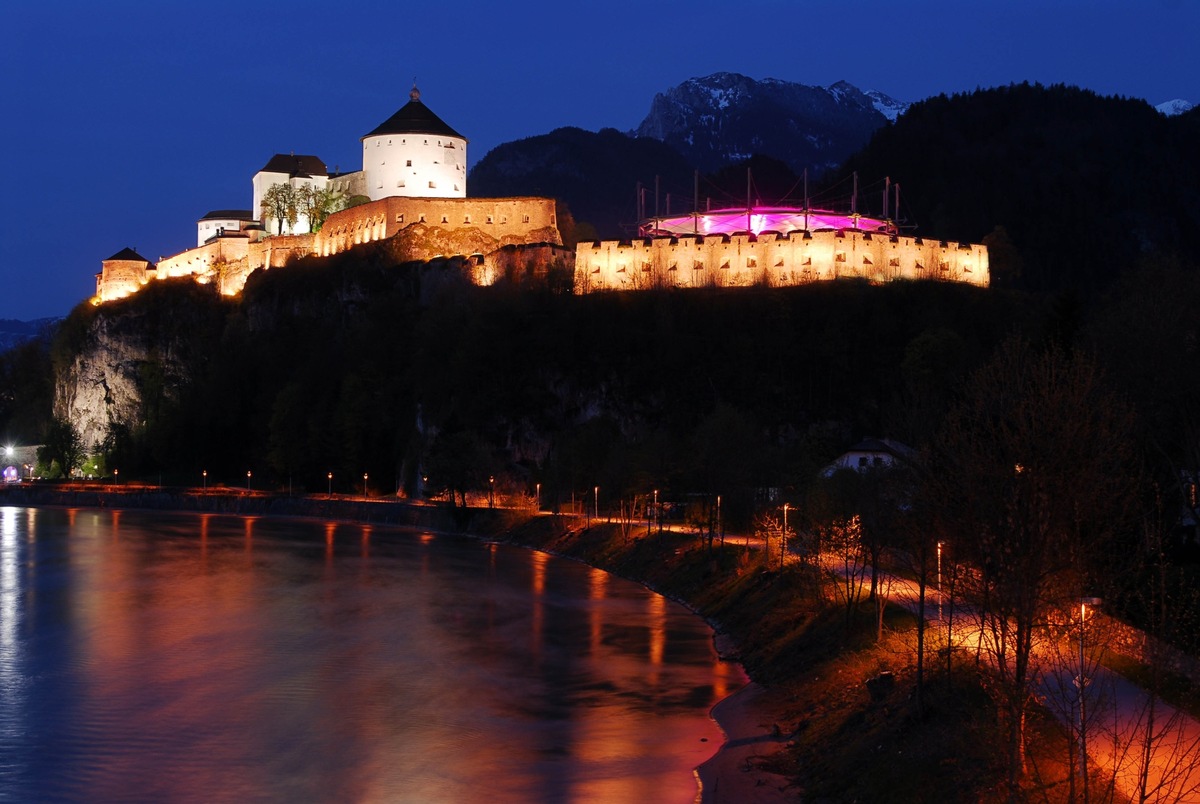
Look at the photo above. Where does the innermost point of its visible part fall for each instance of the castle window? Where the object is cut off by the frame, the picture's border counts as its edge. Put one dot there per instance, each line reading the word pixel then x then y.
pixel 466 219
pixel 894 262
pixel 456 188
pixel 389 142
pixel 400 183
pixel 620 267
pixel 489 218
pixel 751 262
pixel 697 266
pixel 426 142
pixel 674 267
pixel 945 266
pixel 779 263
pixel 645 267
pixel 400 218
pixel 867 260
pixel 445 219
pixel 725 265
pixel 422 220
pixel 807 261
pixel 504 219
pixel 408 163
pixel 841 257
pixel 524 219
pixel 433 185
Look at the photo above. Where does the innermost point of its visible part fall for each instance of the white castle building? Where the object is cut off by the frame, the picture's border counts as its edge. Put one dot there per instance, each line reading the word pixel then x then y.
pixel 412 190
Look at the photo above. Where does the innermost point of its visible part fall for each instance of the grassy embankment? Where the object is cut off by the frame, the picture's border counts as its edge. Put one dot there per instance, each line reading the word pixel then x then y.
pixel 815 661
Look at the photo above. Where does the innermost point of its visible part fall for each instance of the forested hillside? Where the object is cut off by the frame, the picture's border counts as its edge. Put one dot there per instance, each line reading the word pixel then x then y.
pixel 1068 188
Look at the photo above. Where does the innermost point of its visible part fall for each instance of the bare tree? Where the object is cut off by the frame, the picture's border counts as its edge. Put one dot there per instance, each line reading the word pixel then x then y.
pixel 1033 468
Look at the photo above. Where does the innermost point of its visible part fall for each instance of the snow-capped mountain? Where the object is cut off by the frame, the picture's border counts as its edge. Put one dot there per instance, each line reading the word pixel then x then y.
pixel 727 117
pixel 1174 107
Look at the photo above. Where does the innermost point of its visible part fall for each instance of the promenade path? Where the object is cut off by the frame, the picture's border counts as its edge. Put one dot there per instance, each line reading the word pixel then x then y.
pixel 1148 748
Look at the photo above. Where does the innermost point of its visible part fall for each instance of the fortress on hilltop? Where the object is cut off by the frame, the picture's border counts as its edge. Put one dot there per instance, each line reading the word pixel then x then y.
pixel 412 192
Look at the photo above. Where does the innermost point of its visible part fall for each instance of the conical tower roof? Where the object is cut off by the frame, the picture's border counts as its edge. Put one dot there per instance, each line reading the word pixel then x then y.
pixel 414 118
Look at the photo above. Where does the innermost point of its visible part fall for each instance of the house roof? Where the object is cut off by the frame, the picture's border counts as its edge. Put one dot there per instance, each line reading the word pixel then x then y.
pixel 295 165
pixel 127 254
pixel 414 117
pixel 228 215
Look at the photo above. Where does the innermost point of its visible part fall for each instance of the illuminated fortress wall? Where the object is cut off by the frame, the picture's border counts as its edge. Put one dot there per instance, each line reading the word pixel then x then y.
pixel 480 225
pixel 422 228
pixel 773 260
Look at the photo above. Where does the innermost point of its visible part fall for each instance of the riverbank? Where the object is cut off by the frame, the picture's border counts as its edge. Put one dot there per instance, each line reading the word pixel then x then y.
pixel 806 728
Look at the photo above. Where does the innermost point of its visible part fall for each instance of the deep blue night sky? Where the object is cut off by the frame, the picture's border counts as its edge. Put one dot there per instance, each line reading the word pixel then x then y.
pixel 123 122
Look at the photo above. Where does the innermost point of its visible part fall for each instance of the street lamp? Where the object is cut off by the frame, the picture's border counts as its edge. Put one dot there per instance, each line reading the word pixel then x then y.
pixel 204 478
pixel 596 491
pixel 116 475
pixel 939 579
pixel 364 484
pixel 247 480
pixel 491 491
pixel 783 539
pixel 539 497
pixel 329 484
pixel 657 512
pixel 1082 681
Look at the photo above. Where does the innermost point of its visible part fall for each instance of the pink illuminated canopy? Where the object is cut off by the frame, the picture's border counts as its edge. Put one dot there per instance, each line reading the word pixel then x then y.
pixel 762 219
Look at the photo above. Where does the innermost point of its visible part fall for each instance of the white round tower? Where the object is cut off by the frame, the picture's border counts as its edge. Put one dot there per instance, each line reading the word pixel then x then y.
pixel 414 153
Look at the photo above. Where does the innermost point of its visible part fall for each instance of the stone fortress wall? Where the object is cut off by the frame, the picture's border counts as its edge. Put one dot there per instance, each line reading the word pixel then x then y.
pixel 774 260
pixel 487 229
pixel 423 229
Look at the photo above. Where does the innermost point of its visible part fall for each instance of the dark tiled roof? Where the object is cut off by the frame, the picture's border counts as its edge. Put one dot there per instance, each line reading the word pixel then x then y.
pixel 415 118
pixel 127 254
pixel 228 215
pixel 293 165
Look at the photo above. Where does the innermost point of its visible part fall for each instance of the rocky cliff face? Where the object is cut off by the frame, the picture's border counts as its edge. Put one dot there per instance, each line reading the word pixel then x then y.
pixel 727 117
pixel 124 355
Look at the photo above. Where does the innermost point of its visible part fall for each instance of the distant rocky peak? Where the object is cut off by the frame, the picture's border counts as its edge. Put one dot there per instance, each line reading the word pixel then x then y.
pixel 726 117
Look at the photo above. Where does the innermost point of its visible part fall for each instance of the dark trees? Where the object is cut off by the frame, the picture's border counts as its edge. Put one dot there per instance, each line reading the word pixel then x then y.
pixel 1034 470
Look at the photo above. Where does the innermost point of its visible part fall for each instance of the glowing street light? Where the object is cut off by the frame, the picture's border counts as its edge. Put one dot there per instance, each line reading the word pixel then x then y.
pixel 364 484
pixel 1082 681
pixel 783 538
pixel 116 475
pixel 596 491
pixel 247 480
pixel 539 497
pixel 939 579
pixel 657 511
pixel 491 491
pixel 329 484
pixel 204 478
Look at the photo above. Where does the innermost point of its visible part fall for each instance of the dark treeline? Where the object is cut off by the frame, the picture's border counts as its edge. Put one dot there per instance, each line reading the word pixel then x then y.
pixel 1067 188
pixel 357 365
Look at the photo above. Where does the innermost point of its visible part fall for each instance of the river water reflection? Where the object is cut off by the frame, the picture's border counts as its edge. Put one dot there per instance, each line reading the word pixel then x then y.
pixel 192 657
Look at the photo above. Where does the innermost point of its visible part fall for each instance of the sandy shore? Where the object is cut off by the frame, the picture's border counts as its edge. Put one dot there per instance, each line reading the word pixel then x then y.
pixel 753 730
pixel 735 773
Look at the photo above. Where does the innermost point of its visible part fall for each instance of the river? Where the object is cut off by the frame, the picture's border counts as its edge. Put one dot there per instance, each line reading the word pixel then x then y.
pixel 198 657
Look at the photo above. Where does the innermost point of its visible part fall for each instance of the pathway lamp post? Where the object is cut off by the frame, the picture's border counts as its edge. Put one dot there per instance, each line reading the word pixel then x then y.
pixel 1082 682
pixel 939 578
pixel 116 475
pixel 364 484
pixel 538 502
pixel 657 512
pixel 491 491
pixel 596 502
pixel 329 485
pixel 783 537
pixel 248 480
pixel 204 478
